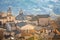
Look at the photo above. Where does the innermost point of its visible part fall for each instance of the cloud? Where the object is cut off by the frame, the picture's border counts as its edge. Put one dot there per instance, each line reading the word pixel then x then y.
pixel 50 6
pixel 53 16
pixel 55 0
pixel 33 6
pixel 38 1
pixel 36 9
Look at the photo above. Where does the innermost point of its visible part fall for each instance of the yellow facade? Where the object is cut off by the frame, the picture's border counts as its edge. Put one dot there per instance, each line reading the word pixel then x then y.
pixel 5 17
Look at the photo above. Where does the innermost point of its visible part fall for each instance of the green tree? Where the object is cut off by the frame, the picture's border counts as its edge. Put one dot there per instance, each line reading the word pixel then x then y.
pixel 32 38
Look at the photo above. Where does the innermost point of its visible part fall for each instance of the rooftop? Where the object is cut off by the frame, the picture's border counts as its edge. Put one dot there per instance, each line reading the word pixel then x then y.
pixel 43 16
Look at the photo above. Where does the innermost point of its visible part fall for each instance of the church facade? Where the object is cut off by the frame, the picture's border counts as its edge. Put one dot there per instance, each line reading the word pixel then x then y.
pixel 6 17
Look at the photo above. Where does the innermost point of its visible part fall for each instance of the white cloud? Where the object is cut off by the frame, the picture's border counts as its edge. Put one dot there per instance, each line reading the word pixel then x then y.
pixel 7 2
pixel 36 9
pixel 39 1
pixel 50 6
pixel 31 7
pixel 55 0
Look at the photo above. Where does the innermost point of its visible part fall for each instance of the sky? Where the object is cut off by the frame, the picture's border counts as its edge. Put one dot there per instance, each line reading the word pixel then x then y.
pixel 31 6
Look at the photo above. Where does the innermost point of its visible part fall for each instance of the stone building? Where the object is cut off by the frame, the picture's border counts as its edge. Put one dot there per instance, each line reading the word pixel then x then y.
pixel 41 20
pixel 6 17
pixel 44 20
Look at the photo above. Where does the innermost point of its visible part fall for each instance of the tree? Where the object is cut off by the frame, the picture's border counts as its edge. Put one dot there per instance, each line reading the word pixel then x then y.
pixel 32 38
pixel 58 21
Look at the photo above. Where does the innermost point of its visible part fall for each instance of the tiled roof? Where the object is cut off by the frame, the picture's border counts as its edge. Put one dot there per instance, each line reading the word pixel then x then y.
pixel 43 16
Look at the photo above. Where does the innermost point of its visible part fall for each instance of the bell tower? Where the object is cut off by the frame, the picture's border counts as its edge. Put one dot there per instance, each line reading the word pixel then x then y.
pixel 9 11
